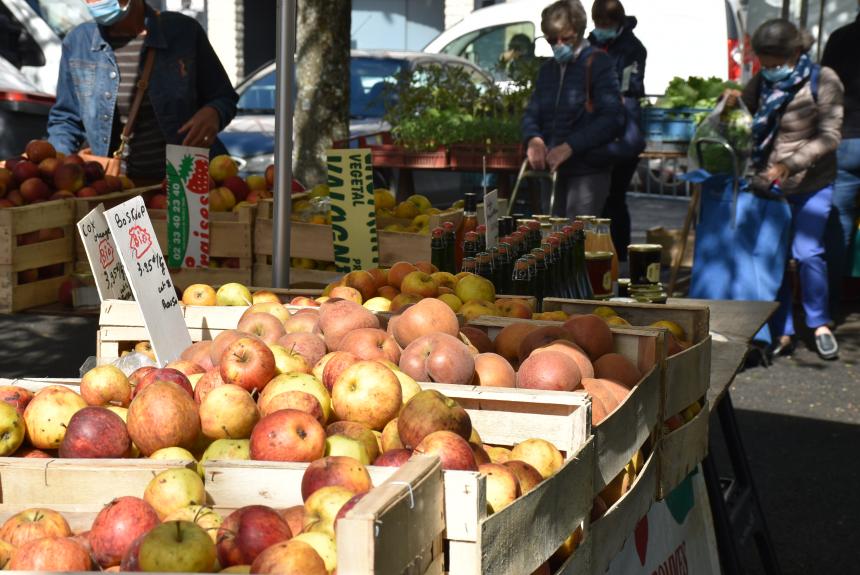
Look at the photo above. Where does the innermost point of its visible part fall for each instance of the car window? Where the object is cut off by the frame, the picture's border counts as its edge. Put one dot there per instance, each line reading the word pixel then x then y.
pixel 17 45
pixel 494 49
pixel 258 97
pixel 371 83
pixel 61 15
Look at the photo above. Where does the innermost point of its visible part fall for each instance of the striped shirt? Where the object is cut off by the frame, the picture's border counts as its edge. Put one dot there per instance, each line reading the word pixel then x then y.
pixel 145 156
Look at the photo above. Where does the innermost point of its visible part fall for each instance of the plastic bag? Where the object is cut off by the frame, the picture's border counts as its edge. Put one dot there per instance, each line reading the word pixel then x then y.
pixel 127 363
pixel 723 126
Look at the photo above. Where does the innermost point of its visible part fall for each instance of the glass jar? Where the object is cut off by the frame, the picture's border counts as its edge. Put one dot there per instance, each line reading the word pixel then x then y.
pixel 599 266
pixel 644 263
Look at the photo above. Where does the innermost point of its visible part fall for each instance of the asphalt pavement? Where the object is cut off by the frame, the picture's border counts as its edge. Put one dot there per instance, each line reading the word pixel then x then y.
pixel 799 420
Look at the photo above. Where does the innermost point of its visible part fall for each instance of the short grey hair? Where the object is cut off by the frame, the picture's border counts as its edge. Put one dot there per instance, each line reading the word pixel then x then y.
pixel 563 15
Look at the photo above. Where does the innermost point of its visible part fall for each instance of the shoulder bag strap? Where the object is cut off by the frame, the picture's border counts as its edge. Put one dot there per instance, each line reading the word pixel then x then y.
pixel 142 85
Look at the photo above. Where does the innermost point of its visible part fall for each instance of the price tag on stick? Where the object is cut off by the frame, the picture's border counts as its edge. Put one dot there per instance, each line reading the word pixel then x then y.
pixel 102 255
pixel 353 209
pixel 491 215
pixel 149 277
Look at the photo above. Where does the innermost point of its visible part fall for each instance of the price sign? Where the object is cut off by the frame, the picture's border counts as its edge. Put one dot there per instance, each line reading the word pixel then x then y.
pixel 149 277
pixel 102 255
pixel 491 217
pixel 187 207
pixel 353 210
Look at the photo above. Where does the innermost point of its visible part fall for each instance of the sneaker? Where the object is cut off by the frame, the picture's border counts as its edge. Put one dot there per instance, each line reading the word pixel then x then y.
pixel 826 345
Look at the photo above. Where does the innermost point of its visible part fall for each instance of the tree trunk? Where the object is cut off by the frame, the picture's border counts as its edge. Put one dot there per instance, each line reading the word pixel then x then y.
pixel 322 75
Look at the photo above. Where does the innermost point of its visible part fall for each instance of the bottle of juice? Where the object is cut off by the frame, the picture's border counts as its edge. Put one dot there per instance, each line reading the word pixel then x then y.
pixel 603 243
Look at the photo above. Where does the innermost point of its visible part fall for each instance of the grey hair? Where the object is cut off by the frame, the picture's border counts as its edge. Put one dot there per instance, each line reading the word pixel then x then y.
pixel 780 38
pixel 563 15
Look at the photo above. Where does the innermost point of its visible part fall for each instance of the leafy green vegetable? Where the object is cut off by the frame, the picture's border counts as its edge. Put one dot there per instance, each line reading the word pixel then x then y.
pixel 694 92
pixel 733 127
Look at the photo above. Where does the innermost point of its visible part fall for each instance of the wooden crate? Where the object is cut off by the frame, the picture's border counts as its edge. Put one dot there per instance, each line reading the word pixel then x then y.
pixel 19 260
pixel 635 421
pixel 300 278
pixel 686 378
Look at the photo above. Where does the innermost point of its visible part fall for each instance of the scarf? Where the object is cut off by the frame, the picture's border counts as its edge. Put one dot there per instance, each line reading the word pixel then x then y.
pixel 773 100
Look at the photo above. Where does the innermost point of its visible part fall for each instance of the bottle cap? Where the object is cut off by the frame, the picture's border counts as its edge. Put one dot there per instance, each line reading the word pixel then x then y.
pixel 470 202
pixel 448 226
pixel 437 233
pixel 471 237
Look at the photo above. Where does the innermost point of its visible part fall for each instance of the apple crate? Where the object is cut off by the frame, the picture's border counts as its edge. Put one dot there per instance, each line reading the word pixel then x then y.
pixel 37 253
pixel 686 379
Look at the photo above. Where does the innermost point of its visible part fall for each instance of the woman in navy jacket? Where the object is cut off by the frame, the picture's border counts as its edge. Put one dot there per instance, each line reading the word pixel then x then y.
pixel 557 128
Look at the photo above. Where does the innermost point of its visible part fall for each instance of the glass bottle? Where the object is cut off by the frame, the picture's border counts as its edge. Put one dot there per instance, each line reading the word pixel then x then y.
pixel 506 267
pixel 485 265
pixel 521 278
pixel 580 272
pixel 551 249
pixel 470 265
pixel 470 219
pixel 518 244
pixel 563 263
pixel 534 234
pixel 470 245
pixel 450 247
pixel 437 249
pixel 497 269
pixel 481 230
pixel 603 242
pixel 588 228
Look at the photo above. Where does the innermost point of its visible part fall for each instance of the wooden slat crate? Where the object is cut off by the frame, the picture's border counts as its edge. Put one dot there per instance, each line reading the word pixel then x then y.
pixel 33 268
pixel 686 379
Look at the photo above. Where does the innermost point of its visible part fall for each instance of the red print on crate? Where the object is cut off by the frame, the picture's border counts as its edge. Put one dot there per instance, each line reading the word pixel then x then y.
pixel 198 183
pixel 139 241
pixel 106 253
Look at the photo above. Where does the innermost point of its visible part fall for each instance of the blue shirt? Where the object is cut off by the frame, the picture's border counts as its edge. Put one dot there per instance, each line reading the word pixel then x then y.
pixel 186 76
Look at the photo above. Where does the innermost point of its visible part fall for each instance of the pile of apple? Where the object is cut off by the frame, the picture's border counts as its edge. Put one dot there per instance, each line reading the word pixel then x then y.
pixel 42 174
pixel 416 208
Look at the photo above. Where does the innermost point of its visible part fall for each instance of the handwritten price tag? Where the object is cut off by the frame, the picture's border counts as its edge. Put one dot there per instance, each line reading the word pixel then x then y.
pixel 150 279
pixel 102 255
pixel 491 213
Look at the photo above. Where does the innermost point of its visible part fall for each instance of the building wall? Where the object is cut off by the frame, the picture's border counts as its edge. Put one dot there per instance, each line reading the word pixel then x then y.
pixel 395 24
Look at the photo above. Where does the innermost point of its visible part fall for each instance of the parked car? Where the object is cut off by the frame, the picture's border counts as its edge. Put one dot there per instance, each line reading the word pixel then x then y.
pixel 250 136
pixel 683 37
pixel 23 110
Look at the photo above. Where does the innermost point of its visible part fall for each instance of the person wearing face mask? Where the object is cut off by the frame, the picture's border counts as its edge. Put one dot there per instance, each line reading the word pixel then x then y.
pixel 188 100
pixel 613 33
pixel 557 127
pixel 797 118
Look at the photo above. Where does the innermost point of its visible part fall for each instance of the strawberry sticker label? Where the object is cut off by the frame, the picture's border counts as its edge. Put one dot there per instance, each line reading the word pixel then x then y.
pixel 187 207
pixel 148 275
pixel 101 252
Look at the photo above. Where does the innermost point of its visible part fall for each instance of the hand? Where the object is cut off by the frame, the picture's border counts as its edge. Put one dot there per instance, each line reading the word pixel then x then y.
pixel 202 128
pixel 731 96
pixel 557 156
pixel 537 154
pixel 777 173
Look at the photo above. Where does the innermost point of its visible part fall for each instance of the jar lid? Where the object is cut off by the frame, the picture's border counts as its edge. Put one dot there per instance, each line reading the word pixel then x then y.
pixel 604 220
pixel 624 281
pixel 644 248
pixel 598 255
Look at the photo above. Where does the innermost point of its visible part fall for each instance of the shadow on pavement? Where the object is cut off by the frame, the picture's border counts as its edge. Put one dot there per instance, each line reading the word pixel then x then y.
pixel 45 346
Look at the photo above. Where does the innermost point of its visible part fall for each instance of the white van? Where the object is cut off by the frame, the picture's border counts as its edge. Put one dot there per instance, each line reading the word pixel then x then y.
pixel 683 37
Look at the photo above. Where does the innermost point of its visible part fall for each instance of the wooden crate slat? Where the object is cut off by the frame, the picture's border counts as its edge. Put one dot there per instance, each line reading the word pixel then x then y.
pixel 681 451
pixel 687 377
pixel 34 217
pixel 25 296
pixel 46 253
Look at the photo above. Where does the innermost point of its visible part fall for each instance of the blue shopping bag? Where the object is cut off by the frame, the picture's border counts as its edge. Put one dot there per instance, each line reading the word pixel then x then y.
pixel 742 242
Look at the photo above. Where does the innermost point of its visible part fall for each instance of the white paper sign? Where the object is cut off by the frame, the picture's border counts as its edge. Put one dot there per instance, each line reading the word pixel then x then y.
pixel 187 207
pixel 102 255
pixel 150 280
pixel 491 217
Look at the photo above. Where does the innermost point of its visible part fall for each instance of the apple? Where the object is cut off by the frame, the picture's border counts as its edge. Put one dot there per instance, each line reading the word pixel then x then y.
pixel 51 554
pixel 163 415
pixel 371 343
pixel 295 382
pixel 324 545
pixel 377 304
pixel 48 413
pixel 106 385
pixel 322 506
pixel 503 487
pixel 388 292
pixel 390 437
pixel 32 524
pixel 239 449
pixel 290 558
pixel 492 370
pixel 173 489
pixel 209 381
pixel 199 294
pixel 287 435
pixel 177 546
pixel 186 368
pixel 6 552
pixel 221 199
pixel 164 374
pixel 335 470
pixel 310 346
pixel 248 363
pixel 408 386
pixel 303 322
pixel 473 287
pixel 341 445
pixel 473 309
pixel 420 284
pixel 138 375
pixel 358 432
pixel 346 293
pixel 305 301
pixel 299 400
pixel 202 515
pixel 513 307
pixel 174 454
pixel 367 392
pixel 131 558
pixel 249 531
pixel 294 517
pixel 478 338
pixel 233 294
pixel 574 352
pixel 430 411
pixel 362 281
pixel 95 432
pixel 338 318
pixel 12 430
pixel 337 364
pixel 398 272
pixel 116 527
pixel 145 348
pixel 265 296
pixel 444 279
pixel 549 370
pixel 498 454
pixel 393 458
pixel 539 338
pixel 221 342
pixel 263 325
pixel 426 317
pixel 453 450
pixel 17 397
pixel 274 309
pixel 540 454
pixel 39 150
pixel 402 301
pixel 438 357
pixel 228 412
pixel 527 475
pixel 591 333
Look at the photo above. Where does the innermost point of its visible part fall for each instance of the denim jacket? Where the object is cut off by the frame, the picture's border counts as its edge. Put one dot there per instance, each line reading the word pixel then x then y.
pixel 186 76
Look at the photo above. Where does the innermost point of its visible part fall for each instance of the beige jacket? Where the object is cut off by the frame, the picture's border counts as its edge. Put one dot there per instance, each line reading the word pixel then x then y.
pixel 808 135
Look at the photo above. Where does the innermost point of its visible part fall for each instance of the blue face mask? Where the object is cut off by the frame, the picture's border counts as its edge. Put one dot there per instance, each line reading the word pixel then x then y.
pixel 107 12
pixel 604 35
pixel 562 53
pixel 777 74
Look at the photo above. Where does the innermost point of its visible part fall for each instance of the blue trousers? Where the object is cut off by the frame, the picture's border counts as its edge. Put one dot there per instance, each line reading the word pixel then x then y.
pixel 846 187
pixel 809 221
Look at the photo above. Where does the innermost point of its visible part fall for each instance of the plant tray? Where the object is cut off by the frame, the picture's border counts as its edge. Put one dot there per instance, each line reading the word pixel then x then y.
pixel 466 157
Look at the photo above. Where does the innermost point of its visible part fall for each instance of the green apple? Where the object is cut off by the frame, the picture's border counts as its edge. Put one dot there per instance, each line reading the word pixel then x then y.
pixel 421 202
pixel 472 287
pixel 408 386
pixel 324 545
pixel 177 547
pixel 453 301
pixel 233 294
pixel 12 429
pixel 338 444
pixel 378 303
pixel 173 489
pixel 227 449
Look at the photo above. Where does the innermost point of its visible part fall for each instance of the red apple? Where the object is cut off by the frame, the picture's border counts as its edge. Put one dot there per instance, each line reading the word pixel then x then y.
pixel 164 374
pixel 51 554
pixel 453 450
pixel 429 411
pixel 551 370
pixel 95 433
pixel 370 343
pixel 198 354
pixel 163 415
pixel 210 380
pixel 338 318
pixel 287 435
pixel 263 325
pixel 249 531
pixel 248 363
pixel 106 385
pixel 289 558
pixel 309 345
pixel 438 357
pixel 116 527
pixel 17 397
pixel 221 342
pixel 32 524
pixel 337 364
pixel 393 458
pixel 367 392
pixel 492 370
pixel 335 470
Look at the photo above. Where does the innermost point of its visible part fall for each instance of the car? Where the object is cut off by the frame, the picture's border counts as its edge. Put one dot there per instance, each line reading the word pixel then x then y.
pixel 249 138
pixel 683 37
pixel 23 110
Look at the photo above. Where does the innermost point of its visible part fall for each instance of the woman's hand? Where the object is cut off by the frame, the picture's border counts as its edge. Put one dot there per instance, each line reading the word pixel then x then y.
pixel 557 156
pixel 536 154
pixel 731 96
pixel 777 173
pixel 202 128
